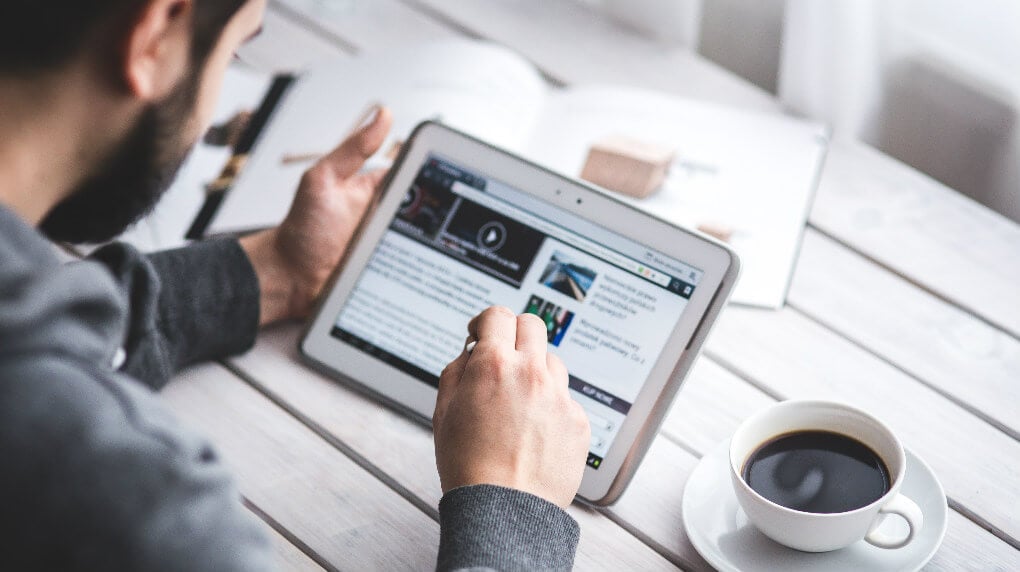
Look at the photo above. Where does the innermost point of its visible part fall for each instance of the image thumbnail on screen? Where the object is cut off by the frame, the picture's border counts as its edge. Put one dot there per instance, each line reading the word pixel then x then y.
pixel 566 277
pixel 557 319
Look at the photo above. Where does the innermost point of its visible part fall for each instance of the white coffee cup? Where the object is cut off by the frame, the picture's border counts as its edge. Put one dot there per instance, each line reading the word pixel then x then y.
pixel 822 532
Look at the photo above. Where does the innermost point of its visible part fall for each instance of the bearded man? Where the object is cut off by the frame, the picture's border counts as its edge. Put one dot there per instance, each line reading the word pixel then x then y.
pixel 100 102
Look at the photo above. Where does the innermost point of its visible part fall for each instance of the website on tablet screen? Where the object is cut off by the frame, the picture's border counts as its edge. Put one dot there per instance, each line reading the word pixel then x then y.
pixel 461 243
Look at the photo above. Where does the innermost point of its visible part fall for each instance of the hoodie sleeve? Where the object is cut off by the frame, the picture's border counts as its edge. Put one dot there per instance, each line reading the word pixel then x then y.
pixel 486 527
pixel 187 305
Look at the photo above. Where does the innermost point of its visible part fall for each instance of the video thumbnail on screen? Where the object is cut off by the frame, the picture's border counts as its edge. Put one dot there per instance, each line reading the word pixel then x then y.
pixel 424 209
pixel 556 318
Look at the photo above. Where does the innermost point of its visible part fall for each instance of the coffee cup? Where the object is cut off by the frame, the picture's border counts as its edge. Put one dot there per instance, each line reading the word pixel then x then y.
pixel 819 476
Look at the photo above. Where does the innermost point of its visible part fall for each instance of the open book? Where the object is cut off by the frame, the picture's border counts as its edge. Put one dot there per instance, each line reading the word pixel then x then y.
pixel 750 172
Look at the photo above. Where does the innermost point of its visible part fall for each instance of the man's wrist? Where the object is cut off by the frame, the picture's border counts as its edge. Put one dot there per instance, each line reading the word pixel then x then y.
pixel 277 289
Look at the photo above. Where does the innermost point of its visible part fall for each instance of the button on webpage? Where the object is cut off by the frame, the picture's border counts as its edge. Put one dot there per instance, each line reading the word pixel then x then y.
pixel 599 422
pixel 492 236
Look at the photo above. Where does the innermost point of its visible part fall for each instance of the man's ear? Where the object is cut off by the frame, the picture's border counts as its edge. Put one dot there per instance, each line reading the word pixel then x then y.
pixel 157 50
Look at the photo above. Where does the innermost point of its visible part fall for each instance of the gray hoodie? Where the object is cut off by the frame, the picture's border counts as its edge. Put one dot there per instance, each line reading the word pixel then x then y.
pixel 97 475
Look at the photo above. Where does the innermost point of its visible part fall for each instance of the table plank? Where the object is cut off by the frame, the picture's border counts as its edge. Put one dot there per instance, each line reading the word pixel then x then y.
pixel 285 46
pixel 922 230
pixel 788 355
pixel 575 44
pixel 363 26
pixel 289 557
pixel 338 509
pixel 562 37
pixel 652 502
pixel 344 415
pixel 968 546
pixel 975 364
pixel 403 449
pixel 710 406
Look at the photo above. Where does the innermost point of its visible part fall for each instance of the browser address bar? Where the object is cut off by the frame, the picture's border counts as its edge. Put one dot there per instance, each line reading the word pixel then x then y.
pixel 560 234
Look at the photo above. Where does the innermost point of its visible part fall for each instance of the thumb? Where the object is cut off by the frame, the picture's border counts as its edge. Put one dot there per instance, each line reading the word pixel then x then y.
pixel 347 159
pixel 449 379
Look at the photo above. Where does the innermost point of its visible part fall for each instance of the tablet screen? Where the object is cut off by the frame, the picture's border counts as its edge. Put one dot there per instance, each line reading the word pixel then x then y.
pixel 461 242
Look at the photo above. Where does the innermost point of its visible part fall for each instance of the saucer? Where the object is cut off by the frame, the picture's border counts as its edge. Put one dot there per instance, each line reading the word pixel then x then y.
pixel 721 533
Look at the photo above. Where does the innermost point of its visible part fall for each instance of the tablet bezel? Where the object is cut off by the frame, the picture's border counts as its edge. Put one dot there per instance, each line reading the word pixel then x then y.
pixel 411 396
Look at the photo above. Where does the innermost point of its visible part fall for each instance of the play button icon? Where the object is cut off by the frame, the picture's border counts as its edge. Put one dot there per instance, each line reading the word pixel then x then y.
pixel 491 236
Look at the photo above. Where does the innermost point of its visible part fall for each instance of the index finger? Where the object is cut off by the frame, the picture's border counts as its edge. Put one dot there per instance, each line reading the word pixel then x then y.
pixel 347 159
pixel 496 325
pixel 532 334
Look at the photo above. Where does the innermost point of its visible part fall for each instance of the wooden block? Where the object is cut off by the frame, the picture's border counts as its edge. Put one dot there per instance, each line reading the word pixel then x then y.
pixel 628 166
pixel 717 230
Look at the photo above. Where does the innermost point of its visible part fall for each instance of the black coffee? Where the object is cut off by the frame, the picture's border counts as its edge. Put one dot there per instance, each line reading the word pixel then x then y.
pixel 817 471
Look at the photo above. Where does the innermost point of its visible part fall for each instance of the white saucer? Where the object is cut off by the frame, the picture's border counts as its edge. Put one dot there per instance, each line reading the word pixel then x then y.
pixel 720 532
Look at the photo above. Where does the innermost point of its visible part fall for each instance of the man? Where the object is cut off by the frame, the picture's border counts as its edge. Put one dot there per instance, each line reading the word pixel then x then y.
pixel 99 103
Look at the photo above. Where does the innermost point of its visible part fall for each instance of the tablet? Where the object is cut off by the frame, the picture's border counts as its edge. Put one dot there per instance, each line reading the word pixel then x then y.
pixel 459 226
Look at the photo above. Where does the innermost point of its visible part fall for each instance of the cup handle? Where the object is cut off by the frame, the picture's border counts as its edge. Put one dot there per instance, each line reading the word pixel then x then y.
pixel 905 508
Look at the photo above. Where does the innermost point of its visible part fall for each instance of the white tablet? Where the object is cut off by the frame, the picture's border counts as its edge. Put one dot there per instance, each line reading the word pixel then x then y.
pixel 460 226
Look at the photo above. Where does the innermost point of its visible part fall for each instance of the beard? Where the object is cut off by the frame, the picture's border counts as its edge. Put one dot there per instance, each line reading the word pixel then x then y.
pixel 133 177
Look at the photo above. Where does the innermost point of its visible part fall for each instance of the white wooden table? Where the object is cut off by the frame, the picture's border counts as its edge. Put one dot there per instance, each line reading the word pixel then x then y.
pixel 905 303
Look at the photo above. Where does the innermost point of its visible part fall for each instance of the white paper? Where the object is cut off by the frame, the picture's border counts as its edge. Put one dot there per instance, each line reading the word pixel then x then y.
pixel 477 88
pixel 752 172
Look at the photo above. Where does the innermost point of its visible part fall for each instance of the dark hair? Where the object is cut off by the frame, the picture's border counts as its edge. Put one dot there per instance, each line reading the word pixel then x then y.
pixel 44 35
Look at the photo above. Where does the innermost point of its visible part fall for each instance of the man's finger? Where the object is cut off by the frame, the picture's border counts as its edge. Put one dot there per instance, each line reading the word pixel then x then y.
pixel 374 178
pixel 346 160
pixel 496 325
pixel 532 334
pixel 448 381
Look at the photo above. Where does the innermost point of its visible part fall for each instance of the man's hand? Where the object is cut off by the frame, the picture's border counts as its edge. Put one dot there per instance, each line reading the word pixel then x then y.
pixel 294 260
pixel 504 415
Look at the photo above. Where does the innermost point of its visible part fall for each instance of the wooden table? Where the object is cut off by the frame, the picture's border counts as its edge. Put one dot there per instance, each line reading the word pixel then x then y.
pixel 905 303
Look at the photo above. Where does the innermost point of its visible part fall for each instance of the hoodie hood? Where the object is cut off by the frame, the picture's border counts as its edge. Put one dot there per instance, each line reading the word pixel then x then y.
pixel 45 305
